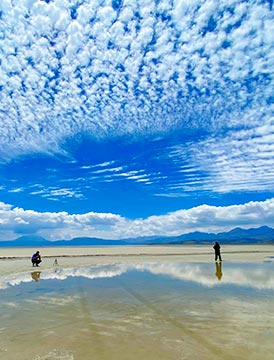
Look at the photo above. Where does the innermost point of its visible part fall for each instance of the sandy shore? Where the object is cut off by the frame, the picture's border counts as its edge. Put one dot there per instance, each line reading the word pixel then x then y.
pixel 18 259
pixel 191 253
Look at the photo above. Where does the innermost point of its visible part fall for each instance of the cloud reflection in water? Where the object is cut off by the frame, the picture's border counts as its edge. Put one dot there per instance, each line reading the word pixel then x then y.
pixel 258 276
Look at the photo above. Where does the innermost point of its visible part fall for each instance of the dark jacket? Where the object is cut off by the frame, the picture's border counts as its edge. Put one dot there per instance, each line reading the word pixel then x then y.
pixel 216 247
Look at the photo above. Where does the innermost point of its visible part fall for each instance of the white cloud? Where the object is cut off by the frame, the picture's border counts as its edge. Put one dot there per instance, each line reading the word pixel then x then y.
pixel 198 66
pixel 17 190
pixel 241 160
pixel 108 170
pixel 104 164
pixel 170 57
pixel 55 193
pixel 61 225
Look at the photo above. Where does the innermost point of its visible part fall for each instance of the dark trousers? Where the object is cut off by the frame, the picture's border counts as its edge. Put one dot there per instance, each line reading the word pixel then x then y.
pixel 218 255
pixel 35 262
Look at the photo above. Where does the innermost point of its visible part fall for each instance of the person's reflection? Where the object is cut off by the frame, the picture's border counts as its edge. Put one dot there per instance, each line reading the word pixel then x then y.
pixel 218 273
pixel 36 275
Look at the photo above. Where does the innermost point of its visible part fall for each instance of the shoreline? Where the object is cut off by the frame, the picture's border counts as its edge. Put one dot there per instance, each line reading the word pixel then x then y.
pixel 17 260
pixel 11 257
pixel 190 252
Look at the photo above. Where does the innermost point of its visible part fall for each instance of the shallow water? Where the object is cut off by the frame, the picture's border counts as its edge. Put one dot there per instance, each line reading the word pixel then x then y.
pixel 143 310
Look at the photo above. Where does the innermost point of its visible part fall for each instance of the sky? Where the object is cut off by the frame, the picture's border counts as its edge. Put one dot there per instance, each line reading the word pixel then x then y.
pixel 130 118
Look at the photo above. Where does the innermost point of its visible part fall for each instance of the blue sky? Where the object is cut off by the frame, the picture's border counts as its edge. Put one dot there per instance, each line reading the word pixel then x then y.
pixel 133 118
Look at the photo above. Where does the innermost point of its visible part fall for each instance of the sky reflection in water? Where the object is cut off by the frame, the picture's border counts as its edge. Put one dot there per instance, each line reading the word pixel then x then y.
pixel 256 276
pixel 168 310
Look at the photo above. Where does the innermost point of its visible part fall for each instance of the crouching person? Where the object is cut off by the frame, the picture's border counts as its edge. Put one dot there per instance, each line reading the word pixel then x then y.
pixel 36 258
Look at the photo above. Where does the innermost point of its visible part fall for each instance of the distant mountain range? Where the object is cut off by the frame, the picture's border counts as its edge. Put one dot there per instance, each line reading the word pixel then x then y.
pixel 263 234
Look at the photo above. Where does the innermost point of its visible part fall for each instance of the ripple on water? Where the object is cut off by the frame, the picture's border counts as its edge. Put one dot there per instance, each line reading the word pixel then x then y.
pixel 55 355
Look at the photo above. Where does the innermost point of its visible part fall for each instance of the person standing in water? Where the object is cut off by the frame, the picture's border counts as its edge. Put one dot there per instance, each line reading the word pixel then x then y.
pixel 217 249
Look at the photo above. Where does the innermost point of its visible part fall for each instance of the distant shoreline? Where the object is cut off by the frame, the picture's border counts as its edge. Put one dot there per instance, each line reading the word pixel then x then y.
pixel 139 254
pixel 130 250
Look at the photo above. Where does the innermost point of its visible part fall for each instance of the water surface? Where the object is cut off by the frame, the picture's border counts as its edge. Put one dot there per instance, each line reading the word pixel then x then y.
pixel 168 310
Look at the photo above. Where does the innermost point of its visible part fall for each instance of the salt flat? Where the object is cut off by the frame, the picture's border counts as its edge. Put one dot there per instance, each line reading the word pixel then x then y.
pixel 18 259
pixel 156 308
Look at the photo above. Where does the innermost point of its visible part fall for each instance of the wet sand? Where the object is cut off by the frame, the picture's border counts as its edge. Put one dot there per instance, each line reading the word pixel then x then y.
pixel 156 310
pixel 18 259
pixel 153 302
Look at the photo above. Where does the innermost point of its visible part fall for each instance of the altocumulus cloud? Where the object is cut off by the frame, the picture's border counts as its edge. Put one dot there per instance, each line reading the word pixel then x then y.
pixel 201 69
pixel 17 221
pixel 116 68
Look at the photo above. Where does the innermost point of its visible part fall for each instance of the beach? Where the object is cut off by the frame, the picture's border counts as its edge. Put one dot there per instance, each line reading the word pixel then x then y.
pixel 132 302
pixel 14 260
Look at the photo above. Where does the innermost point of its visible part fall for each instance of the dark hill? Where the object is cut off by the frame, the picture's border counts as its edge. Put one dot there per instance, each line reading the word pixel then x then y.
pixel 263 234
